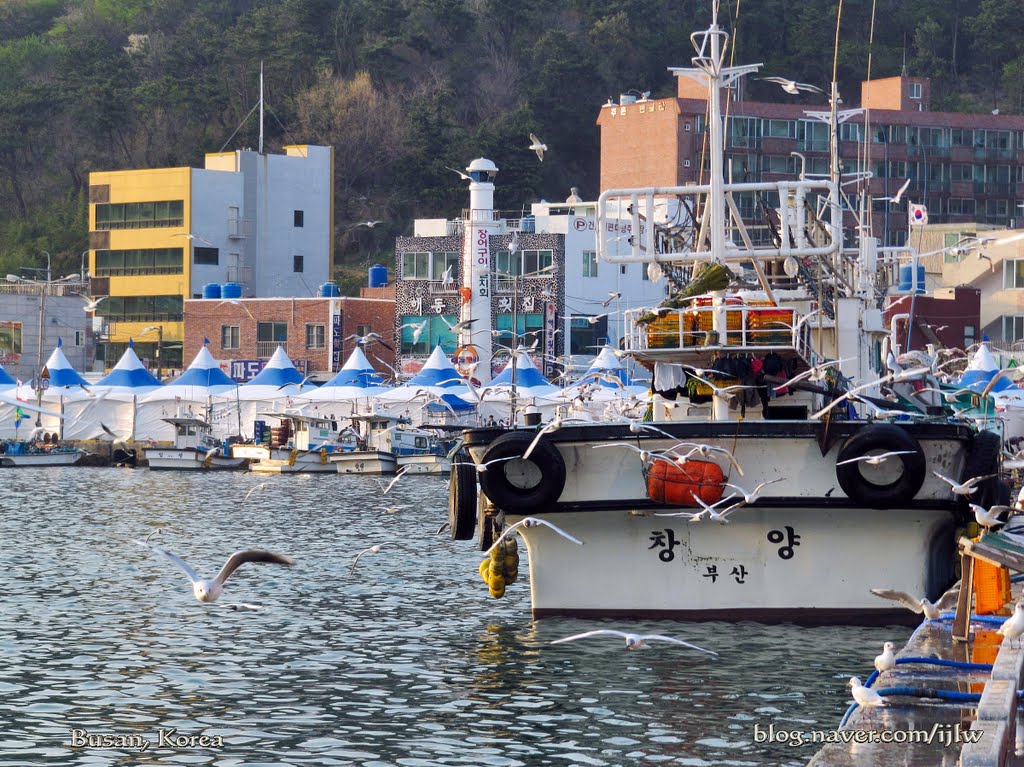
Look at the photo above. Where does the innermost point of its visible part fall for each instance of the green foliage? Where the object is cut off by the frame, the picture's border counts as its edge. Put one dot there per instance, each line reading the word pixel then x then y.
pixel 405 88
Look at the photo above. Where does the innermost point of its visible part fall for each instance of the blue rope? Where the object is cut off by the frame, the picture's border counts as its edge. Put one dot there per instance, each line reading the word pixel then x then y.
pixel 943 662
pixel 952 696
pixel 992 620
pixel 847 715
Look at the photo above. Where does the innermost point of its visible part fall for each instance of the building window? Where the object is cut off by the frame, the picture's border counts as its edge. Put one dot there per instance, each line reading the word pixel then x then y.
pixel 444 266
pixel 415 266
pixel 270 335
pixel 207 256
pixel 589 263
pixel 363 330
pixel 230 337
pixel 79 338
pixel 121 263
pixel 584 334
pixel 949 241
pixel 436 330
pixel 140 215
pixel 1013 273
pixel 969 335
pixel 316 336
pixel 644 275
pixel 528 329
pixel 622 269
pixel 299 217
pixel 296 263
pixel 10 342
pixel 141 309
pixel 915 90
pixel 524 262
pixel 1013 328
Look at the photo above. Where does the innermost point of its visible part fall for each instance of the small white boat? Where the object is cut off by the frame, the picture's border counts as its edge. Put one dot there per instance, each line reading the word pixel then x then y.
pixel 16 453
pixel 195 448
pixel 309 449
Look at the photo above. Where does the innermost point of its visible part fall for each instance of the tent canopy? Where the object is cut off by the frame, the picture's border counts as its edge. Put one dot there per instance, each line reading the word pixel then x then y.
pixel 60 370
pixel 130 373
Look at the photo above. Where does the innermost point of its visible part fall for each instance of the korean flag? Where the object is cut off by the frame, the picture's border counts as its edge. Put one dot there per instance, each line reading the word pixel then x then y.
pixel 918 215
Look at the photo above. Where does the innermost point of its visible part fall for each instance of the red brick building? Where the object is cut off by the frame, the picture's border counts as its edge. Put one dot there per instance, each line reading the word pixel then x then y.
pixel 315 332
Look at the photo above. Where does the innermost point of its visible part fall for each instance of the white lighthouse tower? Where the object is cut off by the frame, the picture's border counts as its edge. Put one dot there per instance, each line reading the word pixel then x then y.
pixel 477 273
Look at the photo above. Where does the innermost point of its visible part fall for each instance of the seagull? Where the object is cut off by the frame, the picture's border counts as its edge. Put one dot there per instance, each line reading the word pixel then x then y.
pixel 637 427
pixel 91 305
pixel 1013 627
pixel 931 611
pixel 236 302
pixel 815 373
pixel 612 295
pixel 195 237
pixel 899 195
pixel 705 452
pixel 367 339
pixel 633 641
pixel 713 513
pixel 398 475
pixel 209 589
pixel 458 327
pixel 375 549
pixel 963 488
pixel 537 146
pixel 875 460
pixel 298 385
pixel 792 86
pixel 897 377
pixel 528 522
pixel 552 425
pixel 482 467
pixel 393 509
pixel 260 486
pixel 417 329
pixel 460 174
pixel 752 496
pixel 446 278
pixel 696 516
pixel 989 518
pixel 865 696
pixel 369 224
pixel 728 392
pixel 887 660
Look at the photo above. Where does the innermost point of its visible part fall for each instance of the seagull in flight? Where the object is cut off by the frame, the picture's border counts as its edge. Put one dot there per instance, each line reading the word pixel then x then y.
pixel 705 452
pixel 815 372
pixel 209 589
pixel 899 195
pixel 260 486
pixel 792 86
pixel 876 460
pixel 91 304
pixel 398 475
pixel 417 329
pixel 721 517
pixel 633 641
pixel 528 522
pixel 460 174
pixel 375 549
pixel 963 488
pixel 612 295
pixel 752 495
pixel 537 146
pixel 458 327
pixel 236 302
pixel 195 237
pixel 369 224
pixel 923 605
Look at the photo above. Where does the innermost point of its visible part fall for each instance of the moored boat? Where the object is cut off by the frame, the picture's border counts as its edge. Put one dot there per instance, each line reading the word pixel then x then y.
pixel 195 448
pixel 32 453
pixel 749 495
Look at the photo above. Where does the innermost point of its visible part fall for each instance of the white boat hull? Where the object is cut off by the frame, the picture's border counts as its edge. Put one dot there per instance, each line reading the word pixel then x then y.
pixel 364 462
pixel 190 460
pixel 427 463
pixel 803 551
pixel 300 463
pixel 25 460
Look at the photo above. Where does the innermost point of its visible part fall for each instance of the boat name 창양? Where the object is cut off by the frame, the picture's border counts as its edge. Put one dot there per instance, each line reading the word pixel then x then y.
pixel 665 541
pixel 792 539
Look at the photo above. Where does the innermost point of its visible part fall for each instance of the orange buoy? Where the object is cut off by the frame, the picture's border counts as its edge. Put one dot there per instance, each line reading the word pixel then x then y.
pixel 680 484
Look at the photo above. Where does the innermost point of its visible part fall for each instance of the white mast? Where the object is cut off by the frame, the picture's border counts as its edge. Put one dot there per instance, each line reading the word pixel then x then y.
pixel 261 108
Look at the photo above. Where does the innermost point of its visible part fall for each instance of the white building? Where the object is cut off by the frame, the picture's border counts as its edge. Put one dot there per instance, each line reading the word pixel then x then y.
pixel 537 273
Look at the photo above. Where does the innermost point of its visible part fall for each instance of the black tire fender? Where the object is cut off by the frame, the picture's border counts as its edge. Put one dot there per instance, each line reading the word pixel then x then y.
pixel 461 499
pixel 983 459
pixel 546 463
pixel 886 437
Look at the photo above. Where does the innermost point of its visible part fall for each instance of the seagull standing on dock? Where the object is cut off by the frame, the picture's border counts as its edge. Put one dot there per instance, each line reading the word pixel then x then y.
pixel 209 589
pixel 989 518
pixel 887 660
pixel 865 696
pixel 633 641
pixel 1013 627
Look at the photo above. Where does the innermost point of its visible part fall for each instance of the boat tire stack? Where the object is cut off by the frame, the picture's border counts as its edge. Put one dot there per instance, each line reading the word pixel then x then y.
pixel 462 499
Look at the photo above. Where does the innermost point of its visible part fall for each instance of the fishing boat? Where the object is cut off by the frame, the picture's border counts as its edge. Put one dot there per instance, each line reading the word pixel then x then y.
pixel 303 444
pixel 195 448
pixel 737 499
pixel 16 453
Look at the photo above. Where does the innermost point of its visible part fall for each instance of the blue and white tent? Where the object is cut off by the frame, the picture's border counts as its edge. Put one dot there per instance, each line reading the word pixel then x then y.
pixel 272 389
pixel 60 372
pixel 437 377
pixel 980 371
pixel 191 393
pixel 356 380
pixel 63 384
pixel 529 380
pixel 113 403
pixel 6 381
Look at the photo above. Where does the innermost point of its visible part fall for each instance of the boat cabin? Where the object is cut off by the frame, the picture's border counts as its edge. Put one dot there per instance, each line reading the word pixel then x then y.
pixel 192 432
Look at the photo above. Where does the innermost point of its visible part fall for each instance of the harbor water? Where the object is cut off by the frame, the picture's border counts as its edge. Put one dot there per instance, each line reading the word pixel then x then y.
pixel 405 661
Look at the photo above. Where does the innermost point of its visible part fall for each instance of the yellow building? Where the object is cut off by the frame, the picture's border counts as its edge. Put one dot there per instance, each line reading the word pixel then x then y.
pixel 247 224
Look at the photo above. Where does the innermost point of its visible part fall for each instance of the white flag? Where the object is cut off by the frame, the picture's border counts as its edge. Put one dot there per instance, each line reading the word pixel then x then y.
pixel 918 215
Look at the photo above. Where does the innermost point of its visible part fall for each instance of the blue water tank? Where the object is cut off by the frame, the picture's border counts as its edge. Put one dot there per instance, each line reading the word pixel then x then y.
pixel 329 290
pixel 231 290
pixel 378 276
pixel 211 290
pixel 906 283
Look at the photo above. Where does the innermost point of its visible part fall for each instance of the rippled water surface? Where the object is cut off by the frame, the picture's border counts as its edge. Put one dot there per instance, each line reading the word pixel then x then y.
pixel 406 662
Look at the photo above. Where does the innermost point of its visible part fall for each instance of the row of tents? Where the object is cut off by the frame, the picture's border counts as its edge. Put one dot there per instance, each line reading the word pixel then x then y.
pixel 130 403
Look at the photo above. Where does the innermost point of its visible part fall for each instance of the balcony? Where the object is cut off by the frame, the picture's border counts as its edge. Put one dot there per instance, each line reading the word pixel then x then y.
pixel 266 349
pixel 239 228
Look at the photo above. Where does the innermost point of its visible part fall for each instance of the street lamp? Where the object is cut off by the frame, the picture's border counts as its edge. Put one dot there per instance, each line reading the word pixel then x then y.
pixel 159 344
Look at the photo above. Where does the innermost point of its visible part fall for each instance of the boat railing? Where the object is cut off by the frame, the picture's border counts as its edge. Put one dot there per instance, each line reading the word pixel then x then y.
pixel 749 327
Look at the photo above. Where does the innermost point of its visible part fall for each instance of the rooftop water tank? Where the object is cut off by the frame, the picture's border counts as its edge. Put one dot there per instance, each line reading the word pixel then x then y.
pixel 231 290
pixel 329 290
pixel 378 276
pixel 211 290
